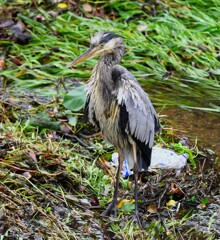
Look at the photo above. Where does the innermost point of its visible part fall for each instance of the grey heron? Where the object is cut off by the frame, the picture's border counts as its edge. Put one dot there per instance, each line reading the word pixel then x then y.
pixel 118 105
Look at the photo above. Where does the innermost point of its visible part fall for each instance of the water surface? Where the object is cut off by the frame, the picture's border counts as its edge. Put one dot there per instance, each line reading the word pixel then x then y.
pixel 198 124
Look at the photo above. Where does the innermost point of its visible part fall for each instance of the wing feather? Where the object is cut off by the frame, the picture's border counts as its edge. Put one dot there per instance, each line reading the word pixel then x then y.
pixel 142 120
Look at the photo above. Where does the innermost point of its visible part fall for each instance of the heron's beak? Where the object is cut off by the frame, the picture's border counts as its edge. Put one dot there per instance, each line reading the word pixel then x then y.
pixel 88 54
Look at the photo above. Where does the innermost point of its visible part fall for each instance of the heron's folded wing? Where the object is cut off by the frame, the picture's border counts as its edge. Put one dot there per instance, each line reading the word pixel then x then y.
pixel 142 121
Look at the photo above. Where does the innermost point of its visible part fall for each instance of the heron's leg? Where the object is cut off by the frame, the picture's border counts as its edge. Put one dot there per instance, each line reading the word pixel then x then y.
pixel 135 169
pixel 112 208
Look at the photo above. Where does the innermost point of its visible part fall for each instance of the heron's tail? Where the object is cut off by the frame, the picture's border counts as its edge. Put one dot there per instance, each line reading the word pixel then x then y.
pixel 143 156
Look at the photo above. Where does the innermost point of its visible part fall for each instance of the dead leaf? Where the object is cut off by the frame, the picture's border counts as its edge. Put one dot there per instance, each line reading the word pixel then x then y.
pixel 2 188
pixel 119 205
pixel 171 203
pixel 175 190
pixel 2 64
pixel 87 7
pixel 201 206
pixel 15 60
pixel 152 208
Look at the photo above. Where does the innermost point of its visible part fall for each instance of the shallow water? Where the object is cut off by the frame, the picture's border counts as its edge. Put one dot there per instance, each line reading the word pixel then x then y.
pixel 198 124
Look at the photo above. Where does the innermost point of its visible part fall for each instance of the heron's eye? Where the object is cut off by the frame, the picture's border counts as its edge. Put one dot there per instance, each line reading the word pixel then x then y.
pixel 102 45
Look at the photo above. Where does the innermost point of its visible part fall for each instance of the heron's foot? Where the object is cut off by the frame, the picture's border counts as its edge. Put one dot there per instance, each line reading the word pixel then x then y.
pixel 136 219
pixel 111 210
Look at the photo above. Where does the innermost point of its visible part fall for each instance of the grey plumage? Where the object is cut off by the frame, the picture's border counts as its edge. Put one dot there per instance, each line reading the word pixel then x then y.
pixel 119 106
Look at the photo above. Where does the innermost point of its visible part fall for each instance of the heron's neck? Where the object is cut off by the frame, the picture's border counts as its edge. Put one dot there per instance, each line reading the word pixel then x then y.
pixel 106 63
pixel 103 75
pixel 112 59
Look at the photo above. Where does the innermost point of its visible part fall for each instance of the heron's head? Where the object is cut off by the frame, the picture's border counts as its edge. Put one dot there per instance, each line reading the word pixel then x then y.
pixel 101 44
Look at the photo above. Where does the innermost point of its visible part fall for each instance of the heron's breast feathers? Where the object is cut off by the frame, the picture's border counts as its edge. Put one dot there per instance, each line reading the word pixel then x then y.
pixel 124 109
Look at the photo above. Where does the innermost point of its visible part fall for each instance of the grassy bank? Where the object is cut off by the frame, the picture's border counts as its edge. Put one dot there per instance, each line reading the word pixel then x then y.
pixel 172 47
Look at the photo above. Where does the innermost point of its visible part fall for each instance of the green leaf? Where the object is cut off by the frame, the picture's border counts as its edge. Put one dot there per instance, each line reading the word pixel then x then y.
pixel 43 120
pixel 128 207
pixel 204 201
pixel 72 120
pixel 75 100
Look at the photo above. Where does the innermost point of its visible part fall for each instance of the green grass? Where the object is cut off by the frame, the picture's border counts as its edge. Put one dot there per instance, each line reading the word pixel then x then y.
pixel 182 38
pixel 49 184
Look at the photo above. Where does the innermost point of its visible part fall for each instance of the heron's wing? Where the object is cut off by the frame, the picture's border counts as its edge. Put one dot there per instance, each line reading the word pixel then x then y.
pixel 137 117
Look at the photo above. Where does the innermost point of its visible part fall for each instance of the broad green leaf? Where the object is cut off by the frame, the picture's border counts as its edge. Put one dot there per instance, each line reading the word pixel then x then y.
pixel 72 120
pixel 128 206
pixel 75 99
